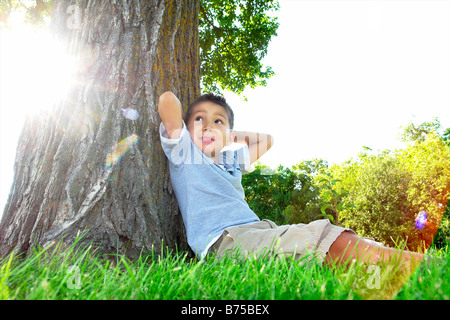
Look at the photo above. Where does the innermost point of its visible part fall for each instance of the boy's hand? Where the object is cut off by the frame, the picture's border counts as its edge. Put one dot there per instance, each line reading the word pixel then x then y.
pixel 169 109
pixel 258 143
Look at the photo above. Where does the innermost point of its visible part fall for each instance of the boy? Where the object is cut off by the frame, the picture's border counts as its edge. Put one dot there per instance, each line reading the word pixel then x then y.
pixel 206 177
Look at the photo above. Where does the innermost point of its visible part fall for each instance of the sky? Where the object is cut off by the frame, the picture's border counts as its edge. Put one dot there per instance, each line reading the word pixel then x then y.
pixel 348 74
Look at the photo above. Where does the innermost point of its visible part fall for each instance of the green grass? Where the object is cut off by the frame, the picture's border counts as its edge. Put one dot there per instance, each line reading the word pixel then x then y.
pixel 83 274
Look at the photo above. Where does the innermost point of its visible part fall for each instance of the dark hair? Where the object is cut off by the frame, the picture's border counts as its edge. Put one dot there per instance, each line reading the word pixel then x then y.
pixel 211 97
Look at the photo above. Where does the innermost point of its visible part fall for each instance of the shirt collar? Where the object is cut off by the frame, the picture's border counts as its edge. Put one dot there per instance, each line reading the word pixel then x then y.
pixel 227 160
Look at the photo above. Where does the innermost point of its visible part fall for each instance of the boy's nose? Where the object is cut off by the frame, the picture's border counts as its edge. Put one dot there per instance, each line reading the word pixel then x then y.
pixel 206 126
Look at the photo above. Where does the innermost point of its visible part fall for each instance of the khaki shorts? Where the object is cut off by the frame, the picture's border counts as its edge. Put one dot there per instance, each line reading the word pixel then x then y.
pixel 266 238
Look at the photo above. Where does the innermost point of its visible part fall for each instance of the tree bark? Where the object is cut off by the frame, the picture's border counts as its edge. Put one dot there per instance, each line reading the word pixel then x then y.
pixel 72 173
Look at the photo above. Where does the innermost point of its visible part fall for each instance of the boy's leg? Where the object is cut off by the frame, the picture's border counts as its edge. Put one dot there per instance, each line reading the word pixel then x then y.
pixel 348 246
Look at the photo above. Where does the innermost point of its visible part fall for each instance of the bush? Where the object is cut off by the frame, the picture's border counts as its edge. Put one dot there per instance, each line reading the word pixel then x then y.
pixel 287 196
pixel 377 195
pixel 389 190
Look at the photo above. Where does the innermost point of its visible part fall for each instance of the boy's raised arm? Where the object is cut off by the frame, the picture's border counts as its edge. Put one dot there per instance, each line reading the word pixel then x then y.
pixel 258 143
pixel 169 109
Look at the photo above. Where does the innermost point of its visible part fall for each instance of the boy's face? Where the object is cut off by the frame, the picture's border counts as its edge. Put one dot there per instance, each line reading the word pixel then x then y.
pixel 209 128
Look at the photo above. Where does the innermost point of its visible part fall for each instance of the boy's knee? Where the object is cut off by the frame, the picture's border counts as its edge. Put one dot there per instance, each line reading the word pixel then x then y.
pixel 349 246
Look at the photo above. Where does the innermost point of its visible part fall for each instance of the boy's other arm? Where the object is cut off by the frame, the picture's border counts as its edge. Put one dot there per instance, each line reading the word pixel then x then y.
pixel 258 143
pixel 169 109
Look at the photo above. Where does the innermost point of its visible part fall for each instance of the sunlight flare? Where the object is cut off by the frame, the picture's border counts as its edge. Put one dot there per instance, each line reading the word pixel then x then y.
pixel 36 72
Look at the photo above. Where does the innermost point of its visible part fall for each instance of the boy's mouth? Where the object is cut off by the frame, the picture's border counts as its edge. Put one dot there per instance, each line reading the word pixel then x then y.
pixel 208 139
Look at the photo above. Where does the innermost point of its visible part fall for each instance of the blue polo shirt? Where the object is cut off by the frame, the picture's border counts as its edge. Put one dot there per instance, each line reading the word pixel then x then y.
pixel 210 195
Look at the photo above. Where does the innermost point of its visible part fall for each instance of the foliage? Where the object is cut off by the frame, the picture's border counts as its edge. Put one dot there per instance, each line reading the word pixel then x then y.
pixel 428 163
pixel 269 195
pixel 442 237
pixel 390 189
pixel 419 132
pixel 286 195
pixel 36 12
pixel 377 195
pixel 305 200
pixel 234 36
pixel 333 198
pixel 377 188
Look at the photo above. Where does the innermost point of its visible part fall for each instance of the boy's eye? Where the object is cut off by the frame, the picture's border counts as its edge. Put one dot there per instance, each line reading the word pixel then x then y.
pixel 198 119
pixel 219 121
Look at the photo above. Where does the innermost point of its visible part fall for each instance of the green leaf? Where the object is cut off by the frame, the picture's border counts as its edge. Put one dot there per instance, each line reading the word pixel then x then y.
pixel 234 37
pixel 323 208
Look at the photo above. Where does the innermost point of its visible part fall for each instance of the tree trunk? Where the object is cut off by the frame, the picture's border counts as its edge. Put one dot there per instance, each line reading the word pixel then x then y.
pixel 86 167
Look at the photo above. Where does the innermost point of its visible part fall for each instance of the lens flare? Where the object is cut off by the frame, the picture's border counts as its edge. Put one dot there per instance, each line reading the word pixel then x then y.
pixel 120 149
pixel 421 220
pixel 130 113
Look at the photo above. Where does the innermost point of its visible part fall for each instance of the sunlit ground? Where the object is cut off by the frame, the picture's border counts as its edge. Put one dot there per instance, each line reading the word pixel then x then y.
pixel 35 73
